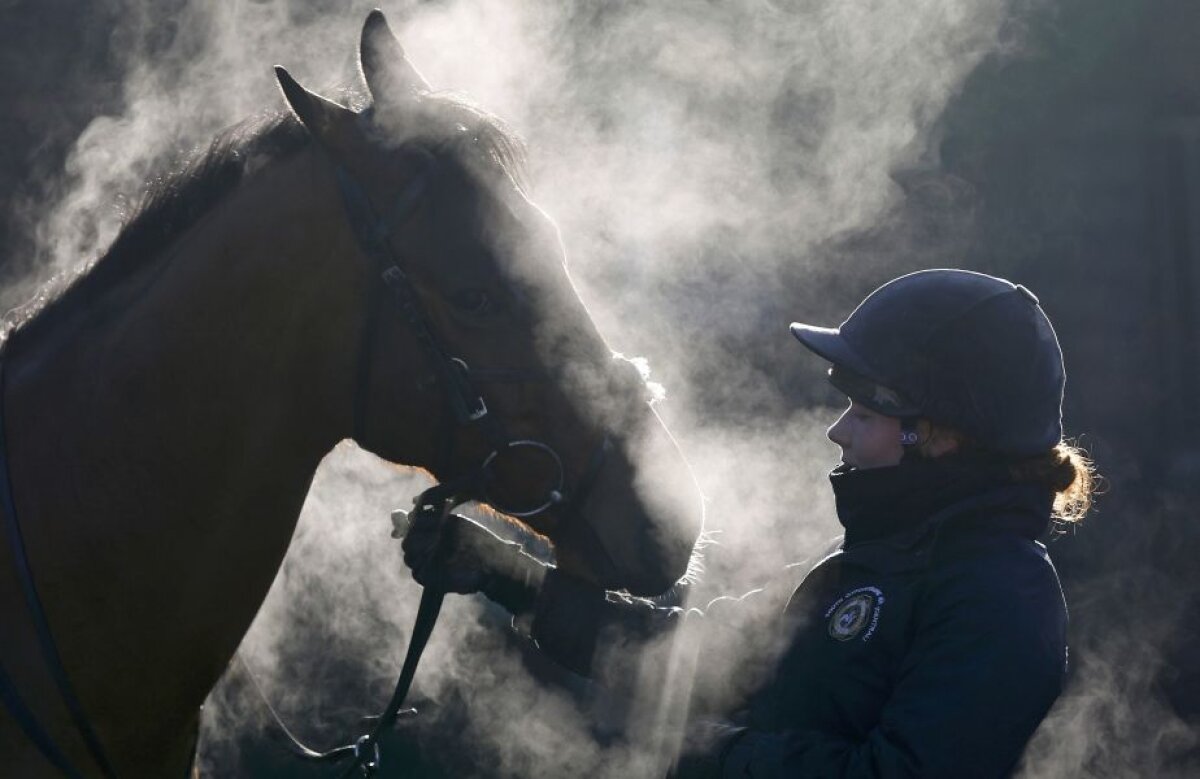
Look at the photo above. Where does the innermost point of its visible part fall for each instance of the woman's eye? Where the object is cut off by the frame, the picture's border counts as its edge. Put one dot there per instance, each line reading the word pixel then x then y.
pixel 475 302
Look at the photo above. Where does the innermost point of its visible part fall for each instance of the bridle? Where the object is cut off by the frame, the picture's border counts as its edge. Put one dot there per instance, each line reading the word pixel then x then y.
pixel 464 406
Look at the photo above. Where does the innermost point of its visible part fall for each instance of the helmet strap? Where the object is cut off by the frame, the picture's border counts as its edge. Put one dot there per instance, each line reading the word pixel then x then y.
pixel 910 438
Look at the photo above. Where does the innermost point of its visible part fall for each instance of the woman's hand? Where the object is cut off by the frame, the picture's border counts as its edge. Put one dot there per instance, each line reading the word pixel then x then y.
pixel 450 554
pixel 457 555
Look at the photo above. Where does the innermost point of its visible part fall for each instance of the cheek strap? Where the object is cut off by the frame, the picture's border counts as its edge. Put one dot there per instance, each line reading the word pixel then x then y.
pixel 909 437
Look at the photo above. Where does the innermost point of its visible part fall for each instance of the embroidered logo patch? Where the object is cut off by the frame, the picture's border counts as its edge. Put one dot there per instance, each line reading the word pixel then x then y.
pixel 854 612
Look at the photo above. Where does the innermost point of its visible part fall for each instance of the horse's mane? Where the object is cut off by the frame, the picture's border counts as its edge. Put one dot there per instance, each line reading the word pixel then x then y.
pixel 175 202
pixel 168 207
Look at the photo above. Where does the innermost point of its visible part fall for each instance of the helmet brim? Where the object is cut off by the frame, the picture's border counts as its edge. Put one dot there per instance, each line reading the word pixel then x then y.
pixel 851 374
pixel 828 343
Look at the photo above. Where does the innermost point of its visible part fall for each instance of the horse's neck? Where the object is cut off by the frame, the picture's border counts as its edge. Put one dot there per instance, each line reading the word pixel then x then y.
pixel 161 449
pixel 233 353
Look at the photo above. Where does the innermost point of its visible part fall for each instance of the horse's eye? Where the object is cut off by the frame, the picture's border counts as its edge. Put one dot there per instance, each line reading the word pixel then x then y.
pixel 475 302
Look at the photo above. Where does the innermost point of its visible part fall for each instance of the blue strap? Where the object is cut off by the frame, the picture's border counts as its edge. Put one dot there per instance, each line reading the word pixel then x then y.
pixel 16 706
pixel 12 530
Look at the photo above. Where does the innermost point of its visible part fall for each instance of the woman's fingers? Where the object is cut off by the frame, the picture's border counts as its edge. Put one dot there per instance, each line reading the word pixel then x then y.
pixel 439 555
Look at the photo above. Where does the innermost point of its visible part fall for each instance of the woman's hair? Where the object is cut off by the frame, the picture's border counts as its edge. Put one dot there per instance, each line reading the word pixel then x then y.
pixel 1066 470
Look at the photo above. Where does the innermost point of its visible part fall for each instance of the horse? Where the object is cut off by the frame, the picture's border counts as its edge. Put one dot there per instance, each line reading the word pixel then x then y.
pixel 373 271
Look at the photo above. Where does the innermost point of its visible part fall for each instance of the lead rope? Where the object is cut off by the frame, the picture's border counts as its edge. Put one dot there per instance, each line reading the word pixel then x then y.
pixel 365 749
pixel 442 499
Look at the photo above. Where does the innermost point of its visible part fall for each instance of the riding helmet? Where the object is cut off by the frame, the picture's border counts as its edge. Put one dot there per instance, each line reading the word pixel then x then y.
pixel 963 349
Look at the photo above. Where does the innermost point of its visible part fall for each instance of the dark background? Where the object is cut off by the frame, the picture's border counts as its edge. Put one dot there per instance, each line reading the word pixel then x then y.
pixel 1073 166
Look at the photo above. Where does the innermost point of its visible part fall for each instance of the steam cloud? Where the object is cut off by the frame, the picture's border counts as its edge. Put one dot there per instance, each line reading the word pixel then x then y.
pixel 699 159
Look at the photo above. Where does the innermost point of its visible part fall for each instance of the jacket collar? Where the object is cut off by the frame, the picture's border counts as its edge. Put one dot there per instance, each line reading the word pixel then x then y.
pixel 905 501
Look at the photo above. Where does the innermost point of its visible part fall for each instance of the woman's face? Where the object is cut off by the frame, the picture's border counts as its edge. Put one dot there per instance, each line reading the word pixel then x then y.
pixel 868 439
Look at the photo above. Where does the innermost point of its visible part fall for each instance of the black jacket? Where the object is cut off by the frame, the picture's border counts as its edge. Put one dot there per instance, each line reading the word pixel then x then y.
pixel 932 644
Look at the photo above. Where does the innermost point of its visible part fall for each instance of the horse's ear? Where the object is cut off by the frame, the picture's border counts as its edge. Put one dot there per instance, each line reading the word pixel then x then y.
pixel 389 75
pixel 329 122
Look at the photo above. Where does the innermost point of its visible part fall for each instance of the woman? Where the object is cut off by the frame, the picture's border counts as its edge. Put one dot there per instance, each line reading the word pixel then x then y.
pixel 932 643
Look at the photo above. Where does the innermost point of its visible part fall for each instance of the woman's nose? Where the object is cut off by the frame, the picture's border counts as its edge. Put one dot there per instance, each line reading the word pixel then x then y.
pixel 837 430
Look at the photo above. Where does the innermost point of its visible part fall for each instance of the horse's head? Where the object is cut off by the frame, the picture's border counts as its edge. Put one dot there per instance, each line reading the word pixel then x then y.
pixel 478 336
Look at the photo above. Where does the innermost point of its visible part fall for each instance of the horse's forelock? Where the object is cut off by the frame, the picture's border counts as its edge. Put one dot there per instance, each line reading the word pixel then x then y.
pixel 472 132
